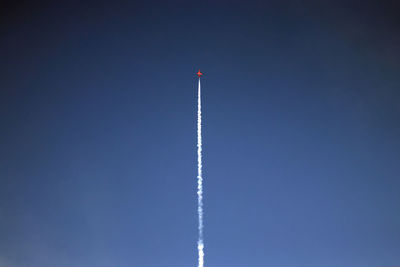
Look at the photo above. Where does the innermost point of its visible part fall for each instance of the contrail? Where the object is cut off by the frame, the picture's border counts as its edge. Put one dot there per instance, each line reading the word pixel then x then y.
pixel 200 243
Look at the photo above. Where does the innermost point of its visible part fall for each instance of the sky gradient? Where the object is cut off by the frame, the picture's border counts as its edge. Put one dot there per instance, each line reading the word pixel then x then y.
pixel 301 133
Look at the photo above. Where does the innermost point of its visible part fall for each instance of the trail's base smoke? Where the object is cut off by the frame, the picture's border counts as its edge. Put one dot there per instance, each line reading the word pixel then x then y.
pixel 200 243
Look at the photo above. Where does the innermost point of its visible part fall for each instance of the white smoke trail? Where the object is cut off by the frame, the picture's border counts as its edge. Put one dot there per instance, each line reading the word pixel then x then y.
pixel 200 243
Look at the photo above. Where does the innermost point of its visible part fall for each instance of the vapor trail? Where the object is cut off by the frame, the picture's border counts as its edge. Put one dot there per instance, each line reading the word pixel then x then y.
pixel 200 243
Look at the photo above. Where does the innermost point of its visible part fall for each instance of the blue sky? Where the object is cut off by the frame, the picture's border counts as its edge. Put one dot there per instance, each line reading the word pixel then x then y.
pixel 300 133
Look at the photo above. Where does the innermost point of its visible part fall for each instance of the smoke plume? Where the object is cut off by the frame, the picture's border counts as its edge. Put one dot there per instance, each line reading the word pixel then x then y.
pixel 200 243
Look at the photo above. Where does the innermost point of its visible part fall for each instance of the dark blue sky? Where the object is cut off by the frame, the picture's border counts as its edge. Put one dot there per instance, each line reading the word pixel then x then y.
pixel 301 133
